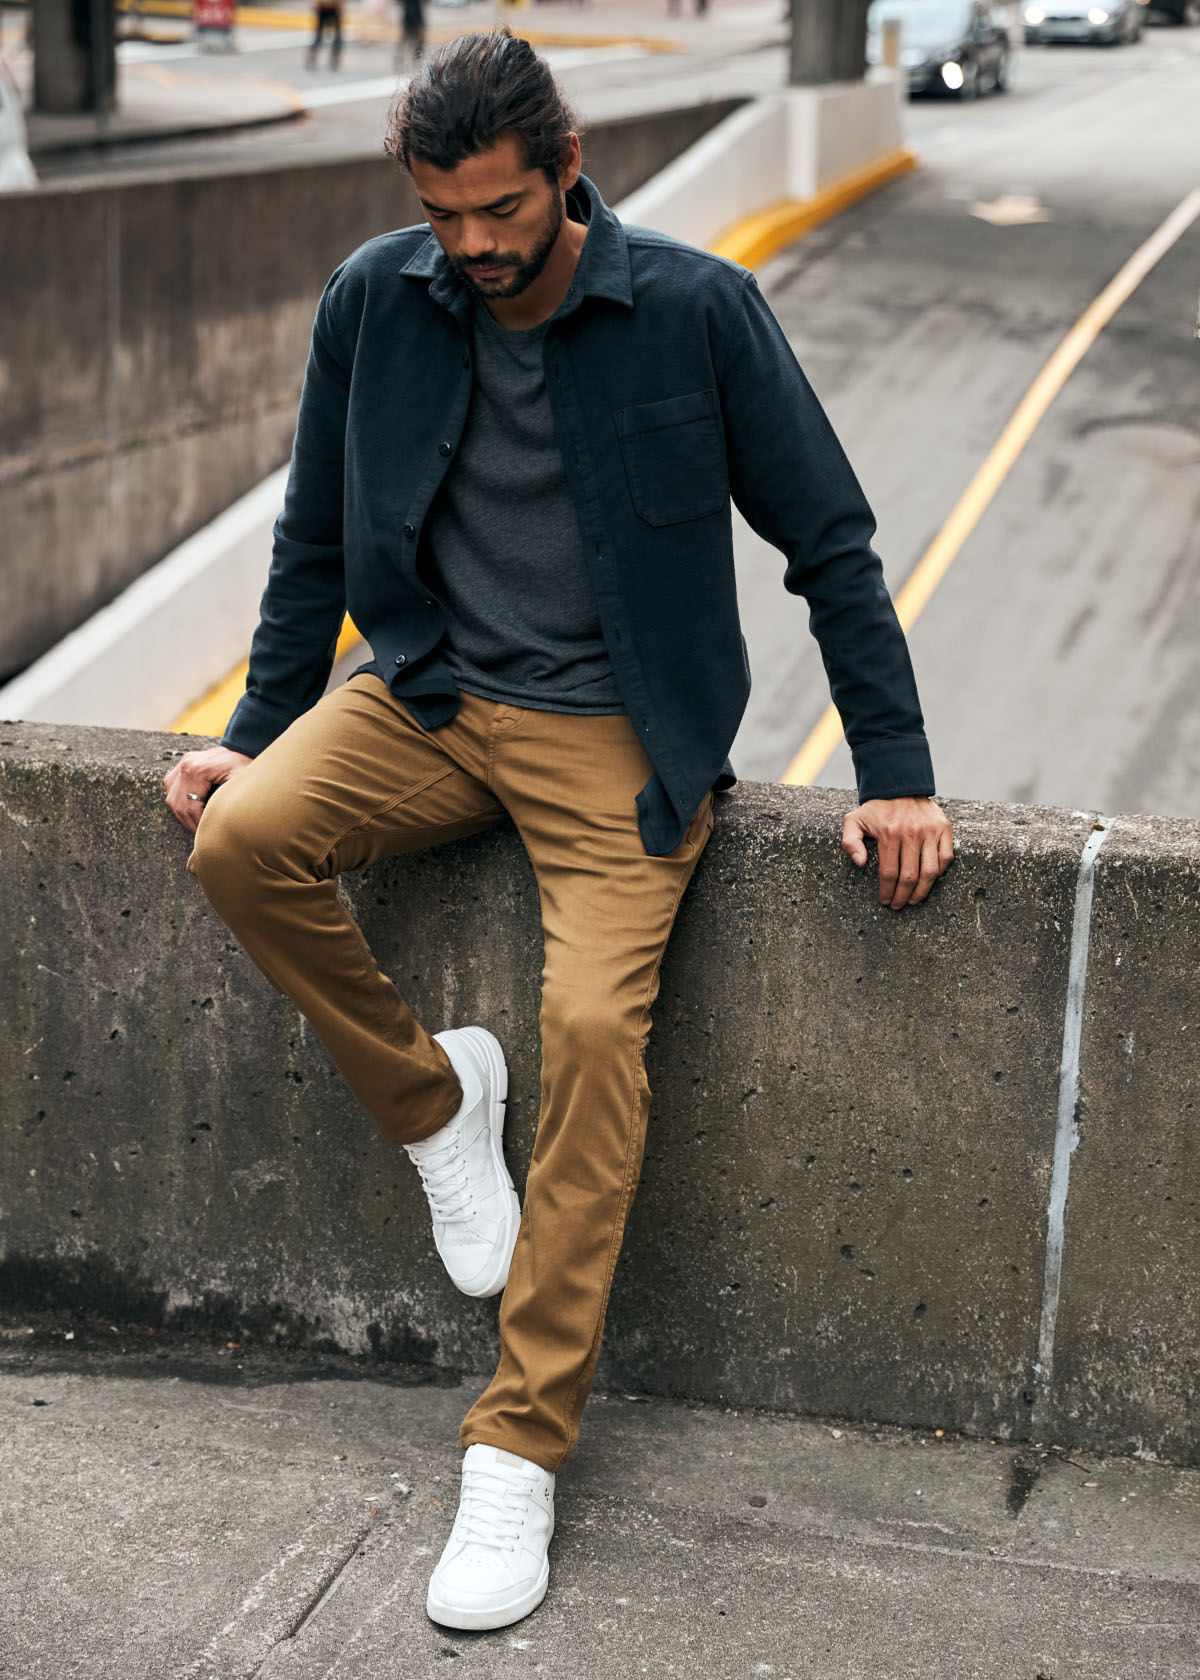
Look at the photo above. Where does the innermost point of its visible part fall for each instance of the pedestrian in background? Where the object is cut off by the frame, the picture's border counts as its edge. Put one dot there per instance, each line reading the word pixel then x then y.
pixel 411 46
pixel 329 17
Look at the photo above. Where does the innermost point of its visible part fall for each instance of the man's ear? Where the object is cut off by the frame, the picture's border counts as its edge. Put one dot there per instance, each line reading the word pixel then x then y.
pixel 572 163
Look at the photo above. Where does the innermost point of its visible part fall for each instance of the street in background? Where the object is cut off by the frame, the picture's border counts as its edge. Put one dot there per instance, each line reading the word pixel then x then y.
pixel 956 47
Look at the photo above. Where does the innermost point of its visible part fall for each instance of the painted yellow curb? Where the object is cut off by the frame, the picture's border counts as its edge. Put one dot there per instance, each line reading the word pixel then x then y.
pixel 757 238
pixel 750 243
pixel 209 715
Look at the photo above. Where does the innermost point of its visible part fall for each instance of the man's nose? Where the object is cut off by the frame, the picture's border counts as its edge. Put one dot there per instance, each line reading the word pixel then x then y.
pixel 478 239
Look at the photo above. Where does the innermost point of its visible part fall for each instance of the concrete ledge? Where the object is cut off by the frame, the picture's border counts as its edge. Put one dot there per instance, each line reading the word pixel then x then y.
pixel 843 1208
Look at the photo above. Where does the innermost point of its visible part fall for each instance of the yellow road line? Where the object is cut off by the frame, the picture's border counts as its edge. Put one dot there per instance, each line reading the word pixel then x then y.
pixel 288 94
pixel 938 557
pixel 156 73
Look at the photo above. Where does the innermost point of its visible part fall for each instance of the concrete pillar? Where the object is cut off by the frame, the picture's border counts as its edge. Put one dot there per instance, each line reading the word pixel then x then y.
pixel 75 55
pixel 829 41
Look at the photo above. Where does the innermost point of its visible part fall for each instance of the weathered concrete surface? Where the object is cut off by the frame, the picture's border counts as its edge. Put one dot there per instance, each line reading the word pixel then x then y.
pixel 168 1520
pixel 844 1197
pixel 138 405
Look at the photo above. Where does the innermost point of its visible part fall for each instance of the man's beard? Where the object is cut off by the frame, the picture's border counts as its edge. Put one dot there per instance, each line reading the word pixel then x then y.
pixel 528 268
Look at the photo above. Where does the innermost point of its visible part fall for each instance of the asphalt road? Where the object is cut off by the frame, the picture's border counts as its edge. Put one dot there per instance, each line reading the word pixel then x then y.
pixel 1059 661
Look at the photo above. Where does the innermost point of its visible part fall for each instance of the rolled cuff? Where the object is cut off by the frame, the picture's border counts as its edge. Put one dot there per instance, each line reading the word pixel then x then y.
pixel 254 726
pixel 893 767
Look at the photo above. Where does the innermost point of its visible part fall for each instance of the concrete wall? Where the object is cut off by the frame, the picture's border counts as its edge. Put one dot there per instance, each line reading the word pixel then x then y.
pixel 152 347
pixel 844 1202
pixel 788 147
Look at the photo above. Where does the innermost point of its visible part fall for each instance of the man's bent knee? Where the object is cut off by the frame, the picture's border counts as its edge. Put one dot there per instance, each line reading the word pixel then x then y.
pixel 237 840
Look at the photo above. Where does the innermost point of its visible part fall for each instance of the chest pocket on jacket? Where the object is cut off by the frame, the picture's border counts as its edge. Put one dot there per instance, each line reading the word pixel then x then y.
pixel 674 457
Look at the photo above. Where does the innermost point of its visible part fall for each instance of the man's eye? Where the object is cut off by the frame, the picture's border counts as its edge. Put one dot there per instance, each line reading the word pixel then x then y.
pixel 511 211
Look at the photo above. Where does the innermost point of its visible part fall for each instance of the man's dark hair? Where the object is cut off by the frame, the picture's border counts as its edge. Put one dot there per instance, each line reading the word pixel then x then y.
pixel 469 93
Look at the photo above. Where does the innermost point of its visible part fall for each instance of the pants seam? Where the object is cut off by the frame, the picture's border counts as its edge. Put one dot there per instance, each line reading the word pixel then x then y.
pixel 618 1222
pixel 364 817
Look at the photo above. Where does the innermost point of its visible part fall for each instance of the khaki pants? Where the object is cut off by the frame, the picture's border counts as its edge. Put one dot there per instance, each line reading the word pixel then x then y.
pixel 355 780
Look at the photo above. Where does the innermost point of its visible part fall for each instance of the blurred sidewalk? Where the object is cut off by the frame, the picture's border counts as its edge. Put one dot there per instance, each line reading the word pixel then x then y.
pixel 154 101
pixel 223 1514
pixel 174 100
pixel 157 102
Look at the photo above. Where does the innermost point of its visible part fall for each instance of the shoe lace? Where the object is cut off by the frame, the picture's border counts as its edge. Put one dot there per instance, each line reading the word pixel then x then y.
pixel 444 1177
pixel 487 1515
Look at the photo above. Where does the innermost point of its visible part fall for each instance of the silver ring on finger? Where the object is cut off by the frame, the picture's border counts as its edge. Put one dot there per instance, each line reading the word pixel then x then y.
pixel 200 796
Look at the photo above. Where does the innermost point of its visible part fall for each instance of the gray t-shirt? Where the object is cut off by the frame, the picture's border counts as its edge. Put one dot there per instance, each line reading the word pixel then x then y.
pixel 505 555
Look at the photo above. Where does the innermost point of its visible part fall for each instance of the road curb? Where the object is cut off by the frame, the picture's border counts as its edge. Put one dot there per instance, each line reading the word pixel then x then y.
pixel 757 238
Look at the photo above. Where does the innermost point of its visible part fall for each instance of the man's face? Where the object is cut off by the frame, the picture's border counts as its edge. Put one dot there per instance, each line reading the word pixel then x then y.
pixel 496 219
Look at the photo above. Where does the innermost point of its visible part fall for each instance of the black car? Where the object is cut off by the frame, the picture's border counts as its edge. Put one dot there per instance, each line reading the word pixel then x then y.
pixel 1175 11
pixel 956 47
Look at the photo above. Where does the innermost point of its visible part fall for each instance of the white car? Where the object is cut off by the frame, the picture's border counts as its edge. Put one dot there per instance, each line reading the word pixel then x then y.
pixel 17 174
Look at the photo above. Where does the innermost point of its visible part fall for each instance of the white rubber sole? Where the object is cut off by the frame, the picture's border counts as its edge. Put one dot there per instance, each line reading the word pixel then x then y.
pixel 479 1621
pixel 487 1048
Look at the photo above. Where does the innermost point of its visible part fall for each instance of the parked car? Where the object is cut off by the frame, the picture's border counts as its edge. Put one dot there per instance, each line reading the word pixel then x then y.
pixel 17 174
pixel 1174 11
pixel 1110 22
pixel 956 47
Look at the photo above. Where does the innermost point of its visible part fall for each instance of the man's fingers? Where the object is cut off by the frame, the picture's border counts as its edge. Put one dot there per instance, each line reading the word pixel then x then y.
pixel 189 811
pixel 908 872
pixel 931 868
pixel 946 848
pixel 889 865
pixel 852 840
pixel 188 785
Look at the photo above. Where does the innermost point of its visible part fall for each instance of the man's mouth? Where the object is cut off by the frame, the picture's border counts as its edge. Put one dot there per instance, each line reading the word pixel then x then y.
pixel 485 271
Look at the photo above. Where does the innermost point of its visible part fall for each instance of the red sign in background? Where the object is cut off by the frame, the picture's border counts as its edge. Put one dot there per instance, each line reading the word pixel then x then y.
pixel 212 14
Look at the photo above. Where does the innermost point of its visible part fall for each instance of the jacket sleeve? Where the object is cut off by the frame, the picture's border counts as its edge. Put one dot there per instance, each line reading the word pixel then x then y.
pixel 791 480
pixel 304 602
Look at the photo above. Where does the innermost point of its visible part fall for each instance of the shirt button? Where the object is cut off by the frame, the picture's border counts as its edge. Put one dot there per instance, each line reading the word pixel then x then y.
pixel 410 531
pixel 445 449
pixel 431 603
pixel 401 659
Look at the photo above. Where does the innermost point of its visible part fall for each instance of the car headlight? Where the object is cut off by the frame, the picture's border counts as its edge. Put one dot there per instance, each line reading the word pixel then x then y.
pixel 952 75
pixel 1097 15
pixel 1035 15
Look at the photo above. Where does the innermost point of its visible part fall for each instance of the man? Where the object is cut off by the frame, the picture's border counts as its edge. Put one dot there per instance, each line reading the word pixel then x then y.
pixel 517 443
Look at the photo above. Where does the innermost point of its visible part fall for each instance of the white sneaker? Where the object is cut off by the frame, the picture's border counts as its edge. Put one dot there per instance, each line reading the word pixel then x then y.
pixel 494 1569
pixel 475 1209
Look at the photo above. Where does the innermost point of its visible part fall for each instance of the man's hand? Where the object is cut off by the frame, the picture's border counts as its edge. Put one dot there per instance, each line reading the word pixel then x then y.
pixel 915 841
pixel 190 782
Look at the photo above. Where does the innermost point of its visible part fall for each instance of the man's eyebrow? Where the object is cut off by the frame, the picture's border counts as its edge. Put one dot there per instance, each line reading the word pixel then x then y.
pixel 505 198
